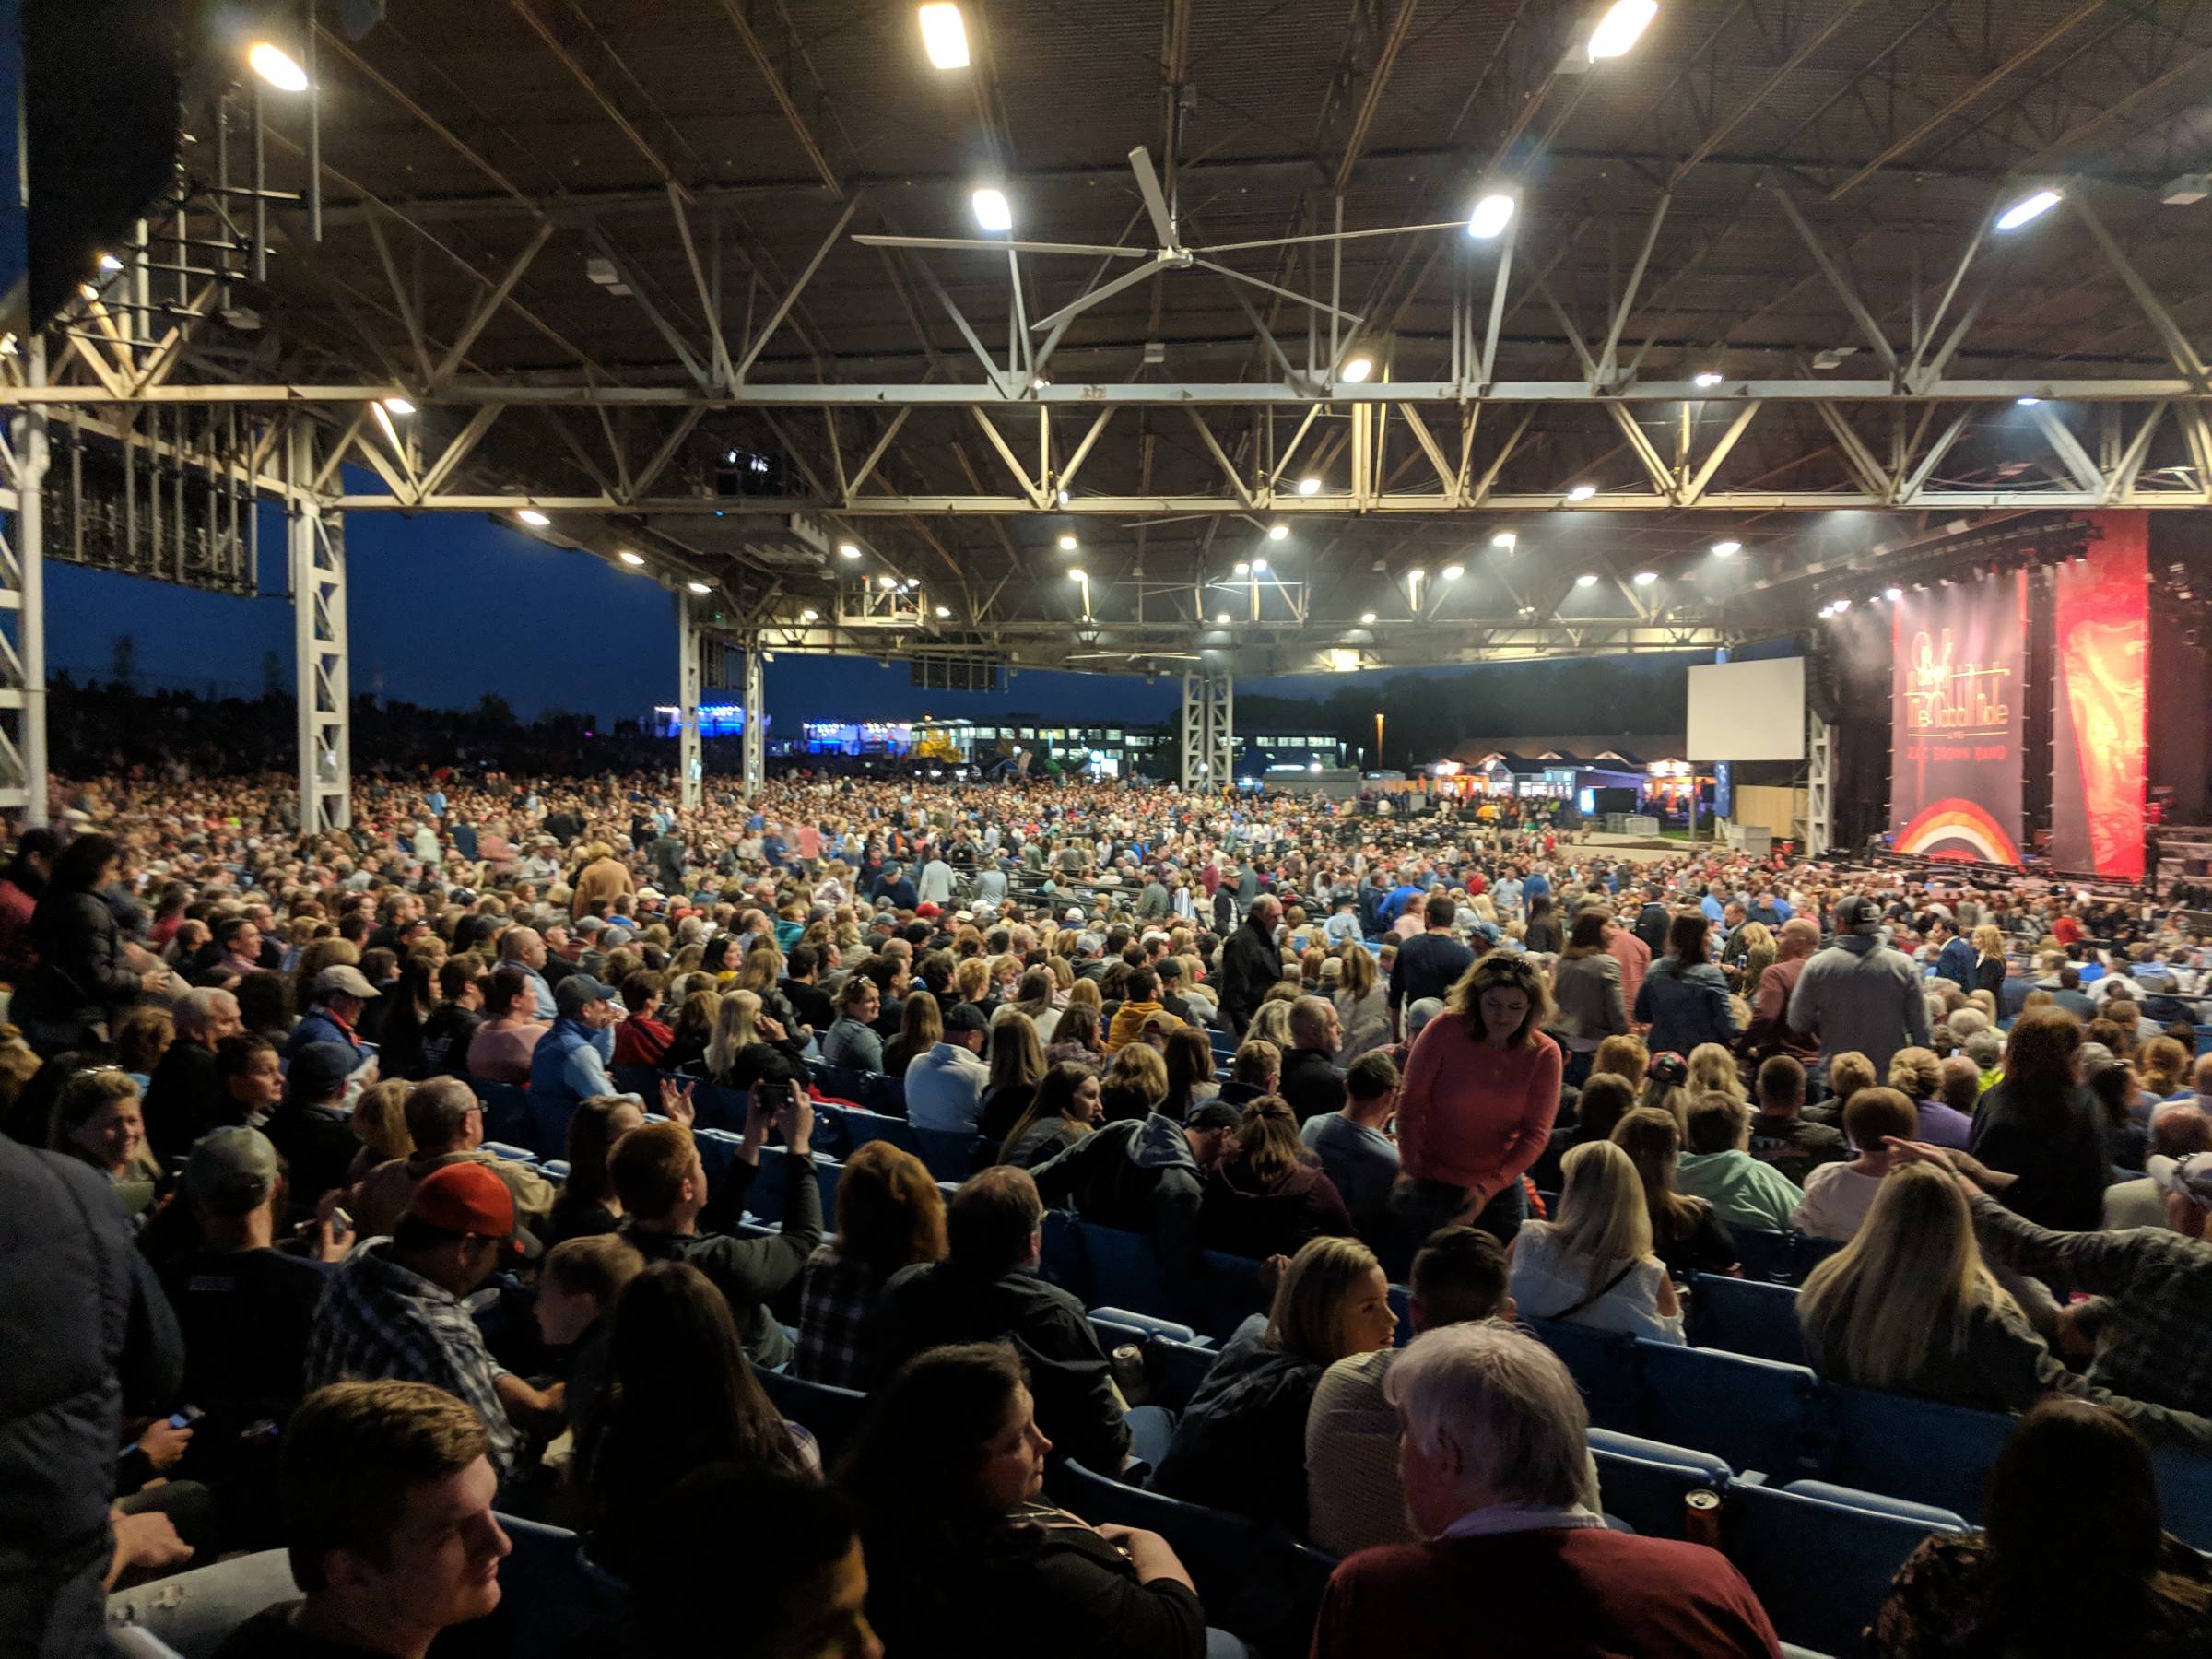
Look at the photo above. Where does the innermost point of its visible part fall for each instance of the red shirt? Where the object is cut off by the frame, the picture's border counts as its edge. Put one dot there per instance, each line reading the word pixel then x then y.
pixel 2066 930
pixel 1474 1115
pixel 1565 1594
pixel 641 1041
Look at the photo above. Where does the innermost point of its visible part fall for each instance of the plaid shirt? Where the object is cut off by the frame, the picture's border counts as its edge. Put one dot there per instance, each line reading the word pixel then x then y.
pixel 2153 1322
pixel 835 1299
pixel 378 1320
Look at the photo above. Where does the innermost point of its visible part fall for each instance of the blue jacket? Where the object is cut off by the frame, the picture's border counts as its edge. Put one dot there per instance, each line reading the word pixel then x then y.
pixel 1685 1005
pixel 318 1025
pixel 566 1067
pixel 1956 963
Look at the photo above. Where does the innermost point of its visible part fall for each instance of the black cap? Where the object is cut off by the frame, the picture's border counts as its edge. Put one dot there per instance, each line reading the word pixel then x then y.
pixel 1858 915
pixel 965 1017
pixel 1212 1114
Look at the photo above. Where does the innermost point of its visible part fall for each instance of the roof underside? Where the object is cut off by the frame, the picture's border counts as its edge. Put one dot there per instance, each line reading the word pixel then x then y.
pixel 711 150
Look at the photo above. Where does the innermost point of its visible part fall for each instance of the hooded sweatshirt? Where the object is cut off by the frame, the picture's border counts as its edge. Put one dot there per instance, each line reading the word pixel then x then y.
pixel 1743 1191
pixel 1859 993
pixel 1137 1175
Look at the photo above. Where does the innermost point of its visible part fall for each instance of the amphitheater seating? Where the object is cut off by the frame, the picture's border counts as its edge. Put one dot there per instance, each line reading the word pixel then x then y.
pixel 1745 1317
pixel 832 1414
pixel 1822 1568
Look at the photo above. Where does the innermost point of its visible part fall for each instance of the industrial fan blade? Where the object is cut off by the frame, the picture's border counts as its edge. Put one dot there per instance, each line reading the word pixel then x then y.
pixel 1326 236
pixel 1155 203
pixel 1000 245
pixel 1319 305
pixel 1128 280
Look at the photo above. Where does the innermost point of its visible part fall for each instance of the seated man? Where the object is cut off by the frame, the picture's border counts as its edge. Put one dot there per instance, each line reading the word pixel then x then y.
pixel 1495 1461
pixel 183 1096
pixel 1144 1175
pixel 569 1065
pixel 399 1307
pixel 445 1121
pixel 388 1488
pixel 663 1188
pixel 1716 1167
pixel 986 1289
pixel 945 1087
pixel 1359 1157
pixel 1256 1069
pixel 1780 1136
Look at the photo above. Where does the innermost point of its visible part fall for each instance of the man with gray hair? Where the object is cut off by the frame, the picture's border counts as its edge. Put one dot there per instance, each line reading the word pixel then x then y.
pixel 446 1120
pixel 183 1096
pixel 1311 1081
pixel 1495 1461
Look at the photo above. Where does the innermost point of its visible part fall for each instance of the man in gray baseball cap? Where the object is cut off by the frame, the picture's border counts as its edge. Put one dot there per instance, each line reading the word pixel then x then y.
pixel 340 993
pixel 568 1065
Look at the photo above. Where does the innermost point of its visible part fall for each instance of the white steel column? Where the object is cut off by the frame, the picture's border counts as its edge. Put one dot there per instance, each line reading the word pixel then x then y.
pixel 688 767
pixel 1221 729
pixel 315 545
pixel 23 592
pixel 1193 776
pixel 756 716
pixel 1820 787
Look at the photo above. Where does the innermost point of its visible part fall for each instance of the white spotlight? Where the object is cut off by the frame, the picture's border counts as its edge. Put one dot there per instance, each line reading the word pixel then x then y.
pixel 1357 369
pixel 2026 209
pixel 885 581
pixel 943 36
pixel 1243 569
pixel 1581 492
pixel 1278 532
pixel 398 406
pixel 942 611
pixel 276 65
pixel 699 587
pixel 1259 567
pixel 847 550
pixel 2028 402
pixel 992 209
pixel 1645 578
pixel 1451 573
pixel 1587 579
pixel 1491 215
pixel 1843 605
pixel 1221 617
pixel 1505 539
pixel 533 517
pixel 1622 28
pixel 1067 543
pixel 1309 486
pixel 1707 379
pixel 1078 574
pixel 1367 618
pixel 810 615
pixel 107 262
pixel 1893 594
pixel 633 559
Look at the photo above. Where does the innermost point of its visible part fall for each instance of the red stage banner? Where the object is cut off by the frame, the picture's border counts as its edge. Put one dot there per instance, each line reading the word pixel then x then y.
pixel 1956 655
pixel 2100 733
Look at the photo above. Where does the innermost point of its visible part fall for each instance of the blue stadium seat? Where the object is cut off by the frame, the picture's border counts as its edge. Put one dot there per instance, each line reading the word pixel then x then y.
pixel 1821 1567
pixel 552 1602
pixel 1648 1484
pixel 841 1082
pixel 863 1126
pixel 644 1081
pixel 1771 1257
pixel 1063 1260
pixel 950 1156
pixel 510 1153
pixel 554 1170
pixel 1745 1316
pixel 1757 1414
pixel 1175 1370
pixel 718 1107
pixel 833 1415
pixel 717 1151
pixel 1145 1325
pixel 1401 1304
pixel 1809 1254
pixel 764 1198
pixel 1915 1449
pixel 2185 1494
pixel 1604 1367
pixel 1124 1271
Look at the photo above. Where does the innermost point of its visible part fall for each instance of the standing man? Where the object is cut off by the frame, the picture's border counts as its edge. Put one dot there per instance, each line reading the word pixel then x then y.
pixel 1859 993
pixel 1251 964
pixel 1429 963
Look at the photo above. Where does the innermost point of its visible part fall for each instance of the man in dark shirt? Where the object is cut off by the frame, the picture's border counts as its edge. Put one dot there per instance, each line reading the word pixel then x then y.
pixel 1793 1145
pixel 1432 962
pixel 987 1291
pixel 1311 1083
pixel 802 988
pixel 183 1096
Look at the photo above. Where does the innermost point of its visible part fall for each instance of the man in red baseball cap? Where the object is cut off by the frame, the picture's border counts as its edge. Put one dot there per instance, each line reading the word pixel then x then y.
pixel 397 1307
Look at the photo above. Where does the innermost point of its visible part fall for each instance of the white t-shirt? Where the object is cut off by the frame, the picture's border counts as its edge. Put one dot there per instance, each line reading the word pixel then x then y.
pixel 1836 1200
pixel 1546 1283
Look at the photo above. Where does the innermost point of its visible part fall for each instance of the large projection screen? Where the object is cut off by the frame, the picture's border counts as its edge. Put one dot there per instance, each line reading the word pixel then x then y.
pixel 1748 710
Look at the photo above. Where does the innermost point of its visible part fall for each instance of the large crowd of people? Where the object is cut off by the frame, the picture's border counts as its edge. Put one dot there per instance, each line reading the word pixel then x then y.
pixel 265 1285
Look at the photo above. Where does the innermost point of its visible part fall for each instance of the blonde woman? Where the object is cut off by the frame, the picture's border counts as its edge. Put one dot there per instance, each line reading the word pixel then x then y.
pixel 1594 1265
pixel 380 1123
pixel 1362 1005
pixel 1755 941
pixel 750 1046
pixel 1989 960
pixel 1909 1305
pixel 1241 1444
pixel 1713 1071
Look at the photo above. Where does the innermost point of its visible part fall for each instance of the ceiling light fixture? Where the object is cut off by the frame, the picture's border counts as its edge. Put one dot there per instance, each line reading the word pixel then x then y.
pixel 398 406
pixel 633 559
pixel 1491 215
pixel 993 211
pixel 533 517
pixel 1243 569
pixel 885 581
pixel 943 36
pixel 1587 579
pixel 277 66
pixel 1259 567
pixel 1707 379
pixel 1622 28
pixel 2028 402
pixel 1727 550
pixel 1061 495
pixel 2026 209
pixel 107 262
pixel 1278 532
pixel 1067 543
pixel 1367 618
pixel 1357 370
pixel 699 587
pixel 1893 594
pixel 810 615
pixel 1505 539
pixel 1843 605
pixel 1645 578
pixel 1416 574
pixel 1581 492
pixel 1221 617
pixel 847 550
pixel 1452 572
pixel 1309 486
pixel 944 611
pixel 1078 574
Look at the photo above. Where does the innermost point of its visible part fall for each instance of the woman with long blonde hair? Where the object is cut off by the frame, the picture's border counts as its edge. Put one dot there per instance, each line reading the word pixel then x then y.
pixel 1362 1005
pixel 1596 1265
pixel 1713 1071
pixel 1755 940
pixel 1686 1234
pixel 750 1046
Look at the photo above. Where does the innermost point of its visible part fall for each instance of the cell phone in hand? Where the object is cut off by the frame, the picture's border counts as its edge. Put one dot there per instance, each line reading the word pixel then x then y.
pixel 185 1416
pixel 341 1219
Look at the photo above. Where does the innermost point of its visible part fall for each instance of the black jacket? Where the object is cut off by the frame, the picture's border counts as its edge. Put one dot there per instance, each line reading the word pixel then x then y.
pixel 1314 1086
pixel 183 1099
pixel 1241 1444
pixel 81 977
pixel 86 1334
pixel 750 1272
pixel 1251 964
pixel 934 1303
pixel 1137 1175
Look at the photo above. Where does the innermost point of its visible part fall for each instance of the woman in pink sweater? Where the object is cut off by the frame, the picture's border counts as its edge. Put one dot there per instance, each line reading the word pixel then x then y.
pixel 1481 1088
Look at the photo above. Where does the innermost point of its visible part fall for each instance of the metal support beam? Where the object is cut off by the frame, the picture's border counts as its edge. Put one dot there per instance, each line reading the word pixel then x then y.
pixel 1820 787
pixel 23 592
pixel 317 545
pixel 1209 741
pixel 688 767
pixel 756 717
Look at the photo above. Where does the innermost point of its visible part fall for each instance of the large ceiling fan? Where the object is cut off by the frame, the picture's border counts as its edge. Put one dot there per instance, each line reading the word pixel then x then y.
pixel 1170 254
